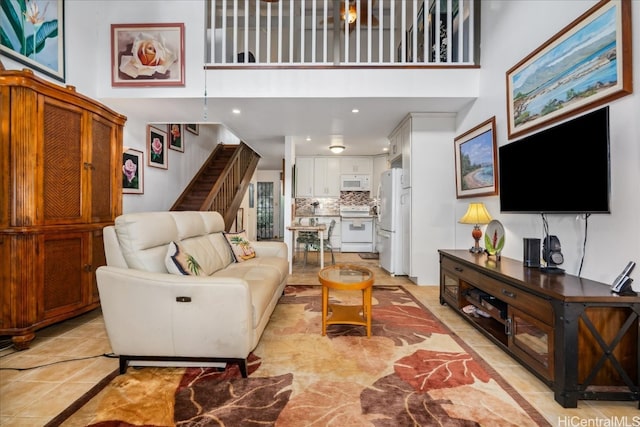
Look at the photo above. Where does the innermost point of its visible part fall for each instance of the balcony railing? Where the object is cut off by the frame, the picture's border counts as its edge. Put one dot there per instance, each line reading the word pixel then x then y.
pixel 375 33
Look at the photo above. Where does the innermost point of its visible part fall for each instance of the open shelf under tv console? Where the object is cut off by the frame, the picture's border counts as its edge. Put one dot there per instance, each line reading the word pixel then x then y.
pixel 571 332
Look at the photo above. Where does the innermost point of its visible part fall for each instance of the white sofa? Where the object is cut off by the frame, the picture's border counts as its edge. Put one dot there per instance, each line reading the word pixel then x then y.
pixel 155 317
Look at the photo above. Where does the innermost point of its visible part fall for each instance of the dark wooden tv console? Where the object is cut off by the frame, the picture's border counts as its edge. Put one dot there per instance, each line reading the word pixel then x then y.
pixel 571 332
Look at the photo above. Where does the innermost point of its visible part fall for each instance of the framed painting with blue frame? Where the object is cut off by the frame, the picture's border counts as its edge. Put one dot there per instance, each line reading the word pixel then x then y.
pixel 476 161
pixel 33 34
pixel 585 65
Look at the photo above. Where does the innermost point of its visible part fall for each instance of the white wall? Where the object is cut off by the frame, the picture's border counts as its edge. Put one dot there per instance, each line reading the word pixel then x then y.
pixel 162 187
pixel 613 239
pixel 432 193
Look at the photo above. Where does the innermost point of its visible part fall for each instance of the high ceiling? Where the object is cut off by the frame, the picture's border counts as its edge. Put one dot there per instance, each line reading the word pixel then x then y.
pixel 263 123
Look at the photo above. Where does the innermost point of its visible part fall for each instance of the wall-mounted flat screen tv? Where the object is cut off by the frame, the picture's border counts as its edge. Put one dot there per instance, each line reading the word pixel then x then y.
pixel 562 169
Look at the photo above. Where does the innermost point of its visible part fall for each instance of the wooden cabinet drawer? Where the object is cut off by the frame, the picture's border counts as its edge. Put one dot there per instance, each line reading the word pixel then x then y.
pixel 537 307
pixel 465 273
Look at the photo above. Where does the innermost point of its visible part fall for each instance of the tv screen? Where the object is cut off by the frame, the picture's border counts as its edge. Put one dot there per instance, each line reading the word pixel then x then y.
pixel 563 169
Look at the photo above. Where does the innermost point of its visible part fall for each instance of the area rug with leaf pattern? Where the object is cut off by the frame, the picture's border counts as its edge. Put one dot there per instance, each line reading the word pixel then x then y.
pixel 412 371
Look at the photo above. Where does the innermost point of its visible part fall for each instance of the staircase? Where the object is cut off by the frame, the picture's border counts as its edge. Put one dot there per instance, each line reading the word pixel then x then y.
pixel 221 182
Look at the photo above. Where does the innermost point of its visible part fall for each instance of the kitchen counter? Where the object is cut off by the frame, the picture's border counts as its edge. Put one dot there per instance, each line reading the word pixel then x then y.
pixel 305 214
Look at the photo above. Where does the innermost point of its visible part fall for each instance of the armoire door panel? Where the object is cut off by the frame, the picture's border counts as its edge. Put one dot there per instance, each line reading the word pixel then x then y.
pixel 65 271
pixel 101 170
pixel 63 169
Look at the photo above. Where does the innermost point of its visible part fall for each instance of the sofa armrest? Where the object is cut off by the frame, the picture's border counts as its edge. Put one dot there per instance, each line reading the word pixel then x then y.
pixel 159 314
pixel 270 249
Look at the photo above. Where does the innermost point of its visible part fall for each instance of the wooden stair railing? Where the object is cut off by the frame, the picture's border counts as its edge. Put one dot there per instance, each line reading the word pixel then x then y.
pixel 221 182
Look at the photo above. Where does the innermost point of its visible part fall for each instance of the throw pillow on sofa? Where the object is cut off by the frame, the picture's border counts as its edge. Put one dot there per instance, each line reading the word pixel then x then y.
pixel 179 262
pixel 240 246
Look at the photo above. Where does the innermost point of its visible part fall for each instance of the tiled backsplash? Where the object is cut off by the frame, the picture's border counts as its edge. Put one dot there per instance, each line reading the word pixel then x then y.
pixel 330 205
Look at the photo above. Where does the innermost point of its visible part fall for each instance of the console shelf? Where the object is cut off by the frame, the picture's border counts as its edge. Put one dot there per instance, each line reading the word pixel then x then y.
pixel 571 332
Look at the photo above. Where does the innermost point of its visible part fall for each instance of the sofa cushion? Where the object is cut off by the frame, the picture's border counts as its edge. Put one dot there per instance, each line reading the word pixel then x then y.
pixel 278 264
pixel 180 262
pixel 262 284
pixel 145 236
pixel 211 251
pixel 240 246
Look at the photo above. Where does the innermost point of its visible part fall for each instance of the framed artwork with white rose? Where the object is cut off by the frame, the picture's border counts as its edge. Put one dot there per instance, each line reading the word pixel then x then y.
pixel 157 148
pixel 147 54
pixel 132 172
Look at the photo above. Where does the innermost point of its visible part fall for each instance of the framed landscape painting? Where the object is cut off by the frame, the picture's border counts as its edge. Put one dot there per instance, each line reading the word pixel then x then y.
pixel 147 54
pixel 475 159
pixel 33 34
pixel 132 172
pixel 585 65
pixel 157 144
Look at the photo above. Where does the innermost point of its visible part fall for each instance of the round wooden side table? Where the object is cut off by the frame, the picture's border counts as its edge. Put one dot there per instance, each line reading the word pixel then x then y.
pixel 352 278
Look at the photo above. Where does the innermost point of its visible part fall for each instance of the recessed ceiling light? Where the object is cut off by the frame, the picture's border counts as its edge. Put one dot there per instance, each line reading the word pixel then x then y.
pixel 308 138
pixel 355 110
pixel 236 111
pixel 385 149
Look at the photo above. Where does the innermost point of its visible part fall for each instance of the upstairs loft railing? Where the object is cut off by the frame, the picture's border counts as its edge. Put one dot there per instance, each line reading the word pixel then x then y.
pixel 367 33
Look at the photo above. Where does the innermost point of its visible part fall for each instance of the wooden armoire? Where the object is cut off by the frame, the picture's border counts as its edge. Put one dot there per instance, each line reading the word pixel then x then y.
pixel 61 183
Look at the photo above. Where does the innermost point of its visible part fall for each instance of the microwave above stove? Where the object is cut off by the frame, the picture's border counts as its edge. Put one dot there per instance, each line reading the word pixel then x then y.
pixel 355 182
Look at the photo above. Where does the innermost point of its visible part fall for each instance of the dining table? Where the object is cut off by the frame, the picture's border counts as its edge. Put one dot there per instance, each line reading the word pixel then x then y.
pixel 316 228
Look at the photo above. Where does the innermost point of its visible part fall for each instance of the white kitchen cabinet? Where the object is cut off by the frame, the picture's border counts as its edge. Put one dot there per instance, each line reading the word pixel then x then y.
pixel 405 133
pixel 304 177
pixel 380 164
pixel 356 165
pixel 400 152
pixel 326 177
pixel 395 150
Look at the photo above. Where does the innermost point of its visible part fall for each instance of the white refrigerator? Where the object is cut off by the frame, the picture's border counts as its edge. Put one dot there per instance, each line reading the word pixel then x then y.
pixel 390 230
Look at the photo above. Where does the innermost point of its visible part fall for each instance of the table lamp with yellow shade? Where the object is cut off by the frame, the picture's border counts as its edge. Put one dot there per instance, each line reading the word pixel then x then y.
pixel 476 214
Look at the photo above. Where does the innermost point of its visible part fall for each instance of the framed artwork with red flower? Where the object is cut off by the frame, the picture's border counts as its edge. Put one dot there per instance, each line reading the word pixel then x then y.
pixel 132 172
pixel 157 148
pixel 175 137
pixel 147 54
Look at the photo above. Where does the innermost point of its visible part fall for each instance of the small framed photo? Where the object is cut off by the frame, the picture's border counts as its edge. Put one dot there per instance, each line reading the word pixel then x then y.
pixel 476 161
pixel 176 140
pixel 193 128
pixel 147 54
pixel 157 148
pixel 132 172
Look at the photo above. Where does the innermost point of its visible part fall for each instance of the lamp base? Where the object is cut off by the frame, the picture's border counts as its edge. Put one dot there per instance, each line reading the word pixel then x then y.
pixel 476 233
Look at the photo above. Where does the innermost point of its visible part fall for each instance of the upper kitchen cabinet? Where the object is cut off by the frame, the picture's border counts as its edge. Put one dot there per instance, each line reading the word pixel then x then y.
pixel 317 177
pixel 356 165
pixel 400 152
pixel 304 177
pixel 326 177
pixel 405 131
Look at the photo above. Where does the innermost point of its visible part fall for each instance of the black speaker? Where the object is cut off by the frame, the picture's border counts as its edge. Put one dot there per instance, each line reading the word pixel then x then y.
pixel 531 252
pixel 551 251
